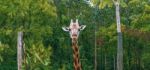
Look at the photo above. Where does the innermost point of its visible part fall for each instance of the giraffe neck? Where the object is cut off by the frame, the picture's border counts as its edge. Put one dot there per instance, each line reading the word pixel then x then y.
pixel 76 61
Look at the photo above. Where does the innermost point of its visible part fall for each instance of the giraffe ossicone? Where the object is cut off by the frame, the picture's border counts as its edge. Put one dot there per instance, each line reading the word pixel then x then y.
pixel 74 28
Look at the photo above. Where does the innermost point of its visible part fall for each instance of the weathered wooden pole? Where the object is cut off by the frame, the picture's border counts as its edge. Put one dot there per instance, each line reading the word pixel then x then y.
pixel 19 49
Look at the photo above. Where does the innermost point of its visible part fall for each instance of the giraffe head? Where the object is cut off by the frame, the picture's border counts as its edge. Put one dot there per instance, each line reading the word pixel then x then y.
pixel 74 29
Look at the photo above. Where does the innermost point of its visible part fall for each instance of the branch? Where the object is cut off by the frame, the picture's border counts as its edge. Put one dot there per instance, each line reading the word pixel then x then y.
pixel 116 2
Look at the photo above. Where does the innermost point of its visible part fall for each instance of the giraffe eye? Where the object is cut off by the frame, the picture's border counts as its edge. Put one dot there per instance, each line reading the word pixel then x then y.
pixel 69 29
pixel 79 29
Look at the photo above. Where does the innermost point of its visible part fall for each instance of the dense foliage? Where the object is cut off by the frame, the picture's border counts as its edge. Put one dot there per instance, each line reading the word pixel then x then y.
pixel 48 47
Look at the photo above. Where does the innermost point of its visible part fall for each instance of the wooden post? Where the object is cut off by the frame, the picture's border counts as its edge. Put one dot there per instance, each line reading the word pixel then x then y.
pixel 19 49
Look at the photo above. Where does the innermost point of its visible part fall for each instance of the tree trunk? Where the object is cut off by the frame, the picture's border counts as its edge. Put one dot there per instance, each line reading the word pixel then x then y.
pixel 114 62
pixel 95 49
pixel 105 62
pixel 19 50
pixel 120 47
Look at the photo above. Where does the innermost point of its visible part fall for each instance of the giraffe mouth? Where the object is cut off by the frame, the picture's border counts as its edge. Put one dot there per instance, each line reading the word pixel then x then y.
pixel 74 36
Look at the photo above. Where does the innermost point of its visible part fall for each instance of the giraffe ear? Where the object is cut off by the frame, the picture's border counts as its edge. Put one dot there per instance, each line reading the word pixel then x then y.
pixel 82 27
pixel 66 29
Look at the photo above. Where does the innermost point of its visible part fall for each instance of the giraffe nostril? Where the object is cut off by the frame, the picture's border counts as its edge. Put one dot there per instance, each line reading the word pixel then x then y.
pixel 74 35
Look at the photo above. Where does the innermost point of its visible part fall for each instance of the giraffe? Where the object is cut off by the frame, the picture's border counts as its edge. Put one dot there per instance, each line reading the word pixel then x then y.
pixel 74 30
